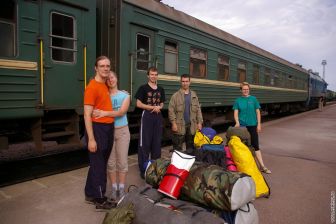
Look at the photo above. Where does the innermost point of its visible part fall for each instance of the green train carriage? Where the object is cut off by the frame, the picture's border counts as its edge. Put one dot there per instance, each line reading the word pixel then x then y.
pixel 45 46
pixel 55 42
pixel 146 33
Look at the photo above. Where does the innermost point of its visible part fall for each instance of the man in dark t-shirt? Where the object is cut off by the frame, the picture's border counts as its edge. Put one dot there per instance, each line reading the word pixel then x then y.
pixel 150 97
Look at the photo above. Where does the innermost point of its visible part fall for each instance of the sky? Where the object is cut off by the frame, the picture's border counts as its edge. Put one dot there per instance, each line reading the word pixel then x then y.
pixel 299 31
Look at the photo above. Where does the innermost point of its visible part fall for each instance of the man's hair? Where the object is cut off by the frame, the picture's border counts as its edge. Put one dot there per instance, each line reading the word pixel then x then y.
pixel 102 57
pixel 185 76
pixel 151 69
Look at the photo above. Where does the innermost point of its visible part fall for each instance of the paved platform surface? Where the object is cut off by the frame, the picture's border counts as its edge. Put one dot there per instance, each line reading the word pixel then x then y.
pixel 300 151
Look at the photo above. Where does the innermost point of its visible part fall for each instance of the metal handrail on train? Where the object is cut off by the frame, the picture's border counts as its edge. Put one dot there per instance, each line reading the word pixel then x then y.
pixel 64 49
pixel 84 52
pixel 41 72
pixel 63 37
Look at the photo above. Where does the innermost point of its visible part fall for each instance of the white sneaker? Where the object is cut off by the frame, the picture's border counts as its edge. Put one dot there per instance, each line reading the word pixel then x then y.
pixel 121 193
pixel 113 195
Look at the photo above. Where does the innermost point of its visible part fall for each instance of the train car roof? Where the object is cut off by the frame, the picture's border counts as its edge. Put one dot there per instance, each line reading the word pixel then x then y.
pixel 181 17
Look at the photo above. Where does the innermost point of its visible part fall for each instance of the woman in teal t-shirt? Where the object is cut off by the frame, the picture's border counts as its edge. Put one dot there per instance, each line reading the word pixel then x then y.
pixel 247 114
pixel 117 165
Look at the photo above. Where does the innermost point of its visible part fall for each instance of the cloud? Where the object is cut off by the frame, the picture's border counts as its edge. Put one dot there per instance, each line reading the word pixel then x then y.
pixel 299 31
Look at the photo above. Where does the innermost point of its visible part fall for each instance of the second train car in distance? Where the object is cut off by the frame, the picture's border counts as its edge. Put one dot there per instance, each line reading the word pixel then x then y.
pixel 48 49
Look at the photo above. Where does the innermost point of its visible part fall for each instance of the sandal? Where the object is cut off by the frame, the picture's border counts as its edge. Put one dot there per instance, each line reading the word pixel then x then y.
pixel 265 170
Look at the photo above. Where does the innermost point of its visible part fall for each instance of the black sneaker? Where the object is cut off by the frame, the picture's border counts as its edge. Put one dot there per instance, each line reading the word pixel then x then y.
pixel 106 205
pixel 89 200
pixel 94 201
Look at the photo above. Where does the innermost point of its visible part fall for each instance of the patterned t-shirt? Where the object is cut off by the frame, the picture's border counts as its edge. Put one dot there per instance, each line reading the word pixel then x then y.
pixel 148 95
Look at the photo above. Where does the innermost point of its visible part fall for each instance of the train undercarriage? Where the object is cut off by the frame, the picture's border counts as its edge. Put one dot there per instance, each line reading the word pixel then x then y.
pixel 61 130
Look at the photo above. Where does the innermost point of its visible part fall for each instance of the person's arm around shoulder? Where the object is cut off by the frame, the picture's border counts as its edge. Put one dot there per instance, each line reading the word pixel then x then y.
pixel 92 144
pixel 114 113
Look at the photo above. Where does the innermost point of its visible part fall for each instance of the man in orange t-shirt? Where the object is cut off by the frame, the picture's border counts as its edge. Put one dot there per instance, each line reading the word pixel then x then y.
pixel 99 134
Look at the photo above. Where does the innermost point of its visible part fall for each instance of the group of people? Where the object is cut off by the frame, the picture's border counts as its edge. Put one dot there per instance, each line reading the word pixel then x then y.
pixel 108 137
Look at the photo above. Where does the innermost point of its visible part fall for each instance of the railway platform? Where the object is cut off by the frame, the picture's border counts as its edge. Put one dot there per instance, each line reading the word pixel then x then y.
pixel 300 150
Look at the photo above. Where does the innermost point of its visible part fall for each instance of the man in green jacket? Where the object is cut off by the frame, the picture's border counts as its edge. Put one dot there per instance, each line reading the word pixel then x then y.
pixel 185 115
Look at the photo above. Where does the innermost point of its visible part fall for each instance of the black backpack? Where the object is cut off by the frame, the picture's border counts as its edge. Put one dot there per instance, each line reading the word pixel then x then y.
pixel 212 154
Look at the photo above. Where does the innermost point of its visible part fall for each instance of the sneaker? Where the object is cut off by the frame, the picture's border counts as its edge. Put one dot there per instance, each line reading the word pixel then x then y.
pixel 265 170
pixel 121 193
pixel 113 195
pixel 89 200
pixel 105 205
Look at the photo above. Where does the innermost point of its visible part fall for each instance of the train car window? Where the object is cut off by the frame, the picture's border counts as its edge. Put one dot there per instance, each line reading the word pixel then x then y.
pixel 276 78
pixel 283 80
pixel 295 83
pixel 299 83
pixel 223 67
pixel 241 72
pixel 171 58
pixel 267 78
pixel 290 81
pixel 63 38
pixel 143 56
pixel 256 72
pixel 8 28
pixel 198 59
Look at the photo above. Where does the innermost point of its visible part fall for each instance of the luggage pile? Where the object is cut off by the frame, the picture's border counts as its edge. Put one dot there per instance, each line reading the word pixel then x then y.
pixel 215 185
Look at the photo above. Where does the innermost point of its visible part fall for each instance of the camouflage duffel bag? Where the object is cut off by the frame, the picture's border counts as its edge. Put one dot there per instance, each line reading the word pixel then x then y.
pixel 150 206
pixel 208 185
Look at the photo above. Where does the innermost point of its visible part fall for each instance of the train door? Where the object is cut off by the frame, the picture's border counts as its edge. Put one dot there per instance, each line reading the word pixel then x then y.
pixel 63 38
pixel 142 42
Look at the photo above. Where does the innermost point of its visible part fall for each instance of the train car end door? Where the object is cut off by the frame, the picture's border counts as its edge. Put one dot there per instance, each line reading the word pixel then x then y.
pixel 63 37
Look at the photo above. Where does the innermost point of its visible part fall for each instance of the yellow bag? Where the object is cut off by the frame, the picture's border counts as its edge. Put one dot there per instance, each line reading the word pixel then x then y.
pixel 217 140
pixel 200 139
pixel 245 163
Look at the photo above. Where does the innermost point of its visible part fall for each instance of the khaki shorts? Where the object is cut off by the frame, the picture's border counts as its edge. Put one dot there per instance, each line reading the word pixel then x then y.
pixel 118 160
